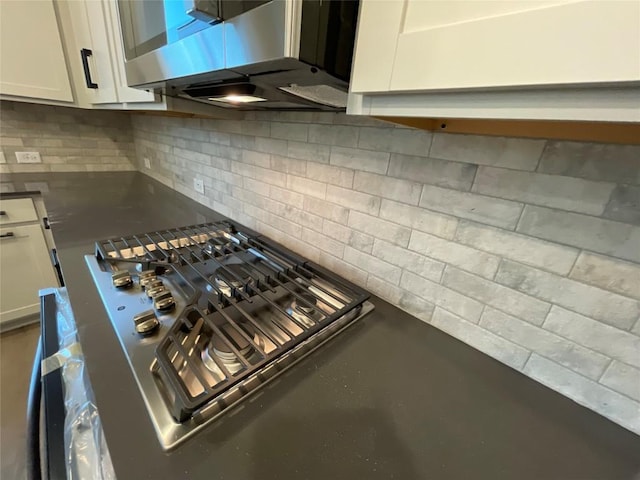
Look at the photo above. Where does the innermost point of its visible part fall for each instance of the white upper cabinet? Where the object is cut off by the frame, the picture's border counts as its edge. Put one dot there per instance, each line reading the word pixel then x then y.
pixel 66 52
pixel 88 51
pixel 93 46
pixel 468 58
pixel 31 52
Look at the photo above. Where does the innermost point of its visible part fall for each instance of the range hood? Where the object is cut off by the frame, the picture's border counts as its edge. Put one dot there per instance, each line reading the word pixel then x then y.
pixel 243 55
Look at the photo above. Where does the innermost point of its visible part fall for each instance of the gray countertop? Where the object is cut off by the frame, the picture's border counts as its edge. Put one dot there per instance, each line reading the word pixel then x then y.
pixel 392 397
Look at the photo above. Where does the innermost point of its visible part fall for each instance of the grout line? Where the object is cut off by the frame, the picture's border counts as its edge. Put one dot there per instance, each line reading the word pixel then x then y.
pixel 484 307
pixel 573 266
pixel 546 144
pixel 546 317
pixel 475 175
pixel 531 352
pixel 500 260
pixel 441 277
pixel 455 234
pixel 637 324
pixel 515 229
pixel 613 190
pixel 611 360
pixel 433 135
pixel 444 270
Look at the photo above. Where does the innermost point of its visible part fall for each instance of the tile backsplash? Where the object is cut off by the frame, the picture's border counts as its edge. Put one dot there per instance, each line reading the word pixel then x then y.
pixel 68 139
pixel 526 249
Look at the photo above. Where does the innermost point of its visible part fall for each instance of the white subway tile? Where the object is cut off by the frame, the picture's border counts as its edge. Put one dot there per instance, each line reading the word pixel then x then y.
pixel 386 187
pixel 367 160
pixel 361 202
pixel 595 335
pixel 372 265
pixel 471 334
pixel 380 228
pixel 571 355
pixel 419 218
pixel 616 310
pixel 489 210
pixel 441 296
pixel 467 258
pixel 516 153
pixel 586 392
pixel 528 250
pixel 565 193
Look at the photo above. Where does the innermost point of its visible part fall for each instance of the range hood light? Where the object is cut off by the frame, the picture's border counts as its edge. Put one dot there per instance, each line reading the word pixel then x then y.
pixel 237 99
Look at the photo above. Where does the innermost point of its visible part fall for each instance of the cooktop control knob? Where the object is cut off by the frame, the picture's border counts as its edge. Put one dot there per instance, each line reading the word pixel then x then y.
pixel 121 279
pixel 146 323
pixel 164 301
pixel 147 277
pixel 154 287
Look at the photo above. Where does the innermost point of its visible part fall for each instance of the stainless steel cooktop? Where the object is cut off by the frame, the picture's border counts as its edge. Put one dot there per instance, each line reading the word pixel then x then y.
pixel 207 314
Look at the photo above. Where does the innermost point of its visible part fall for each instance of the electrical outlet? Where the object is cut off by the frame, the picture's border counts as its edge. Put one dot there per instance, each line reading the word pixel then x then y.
pixel 2 158
pixel 198 185
pixel 28 157
pixel 147 163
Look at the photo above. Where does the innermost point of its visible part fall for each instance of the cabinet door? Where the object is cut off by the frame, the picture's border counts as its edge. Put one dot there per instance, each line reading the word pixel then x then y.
pixel 429 45
pixel 89 33
pixel 32 61
pixel 25 268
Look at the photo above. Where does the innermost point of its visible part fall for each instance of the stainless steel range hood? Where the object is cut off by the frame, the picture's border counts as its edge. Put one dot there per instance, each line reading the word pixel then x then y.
pixel 278 54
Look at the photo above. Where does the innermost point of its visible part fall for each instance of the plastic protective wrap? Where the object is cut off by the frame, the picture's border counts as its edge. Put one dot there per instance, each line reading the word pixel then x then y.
pixel 87 455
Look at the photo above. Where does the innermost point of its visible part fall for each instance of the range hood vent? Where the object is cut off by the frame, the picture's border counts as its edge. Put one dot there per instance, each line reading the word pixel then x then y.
pixel 252 93
pixel 249 55
pixel 322 94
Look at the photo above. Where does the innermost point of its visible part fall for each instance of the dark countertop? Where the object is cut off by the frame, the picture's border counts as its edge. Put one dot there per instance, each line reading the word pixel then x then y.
pixel 391 397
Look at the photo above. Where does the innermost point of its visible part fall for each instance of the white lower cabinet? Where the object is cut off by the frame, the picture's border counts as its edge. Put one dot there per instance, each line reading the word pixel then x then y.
pixel 25 268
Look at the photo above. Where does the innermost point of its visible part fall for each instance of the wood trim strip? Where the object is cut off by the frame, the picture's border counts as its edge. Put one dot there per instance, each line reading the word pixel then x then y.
pixel 605 132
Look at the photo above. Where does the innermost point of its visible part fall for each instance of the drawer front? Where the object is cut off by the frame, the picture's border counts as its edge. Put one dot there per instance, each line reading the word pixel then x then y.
pixel 25 268
pixel 17 210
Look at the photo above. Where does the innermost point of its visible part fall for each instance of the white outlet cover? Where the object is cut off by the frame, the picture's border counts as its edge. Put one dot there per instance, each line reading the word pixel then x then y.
pixel 198 185
pixel 2 158
pixel 147 163
pixel 28 157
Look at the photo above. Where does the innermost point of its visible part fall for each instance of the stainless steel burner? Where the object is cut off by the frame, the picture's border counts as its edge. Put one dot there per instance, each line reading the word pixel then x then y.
pixel 233 275
pixel 307 311
pixel 212 247
pixel 223 353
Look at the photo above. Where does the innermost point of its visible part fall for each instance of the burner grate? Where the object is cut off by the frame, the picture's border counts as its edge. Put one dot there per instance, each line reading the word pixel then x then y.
pixel 160 246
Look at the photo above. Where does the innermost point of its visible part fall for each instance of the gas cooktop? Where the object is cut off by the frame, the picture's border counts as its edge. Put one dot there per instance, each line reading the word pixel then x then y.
pixel 207 314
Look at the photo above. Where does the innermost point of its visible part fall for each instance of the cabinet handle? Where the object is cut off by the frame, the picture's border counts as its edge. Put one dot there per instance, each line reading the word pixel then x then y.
pixel 85 53
pixel 7 235
pixel 56 265
pixel 3 213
